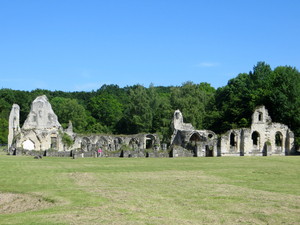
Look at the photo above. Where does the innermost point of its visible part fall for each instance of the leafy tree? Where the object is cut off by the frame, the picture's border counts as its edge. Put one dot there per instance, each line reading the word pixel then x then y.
pixel 105 109
pixel 191 100
pixel 68 109
pixel 138 113
pixel 3 130
pixel 285 98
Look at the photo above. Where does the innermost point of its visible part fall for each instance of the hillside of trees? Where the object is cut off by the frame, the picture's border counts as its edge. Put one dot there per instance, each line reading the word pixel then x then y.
pixel 137 109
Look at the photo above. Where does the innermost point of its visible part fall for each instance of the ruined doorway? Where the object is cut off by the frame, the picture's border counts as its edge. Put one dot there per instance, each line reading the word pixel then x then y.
pixel 278 141
pixel 209 151
pixel 150 141
pixel 255 140
pixel 232 140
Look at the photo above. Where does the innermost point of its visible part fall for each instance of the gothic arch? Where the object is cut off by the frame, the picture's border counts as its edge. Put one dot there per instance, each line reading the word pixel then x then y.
pixel 28 144
pixel 278 140
pixel 195 137
pixel 255 136
pixel 86 144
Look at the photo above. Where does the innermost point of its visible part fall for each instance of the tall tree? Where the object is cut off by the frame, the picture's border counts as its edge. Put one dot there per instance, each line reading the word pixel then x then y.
pixel 105 109
pixel 68 109
pixel 285 98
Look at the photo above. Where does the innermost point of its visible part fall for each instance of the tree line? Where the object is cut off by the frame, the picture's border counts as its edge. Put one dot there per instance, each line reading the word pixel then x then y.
pixel 137 109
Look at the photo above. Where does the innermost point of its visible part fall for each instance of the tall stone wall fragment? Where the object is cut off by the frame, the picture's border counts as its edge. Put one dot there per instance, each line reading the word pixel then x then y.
pixel 41 115
pixel 14 124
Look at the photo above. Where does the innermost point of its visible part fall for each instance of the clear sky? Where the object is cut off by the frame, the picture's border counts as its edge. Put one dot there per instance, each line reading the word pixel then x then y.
pixel 79 45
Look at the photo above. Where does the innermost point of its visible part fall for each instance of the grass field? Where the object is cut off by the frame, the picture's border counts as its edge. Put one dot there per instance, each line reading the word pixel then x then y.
pixel 219 190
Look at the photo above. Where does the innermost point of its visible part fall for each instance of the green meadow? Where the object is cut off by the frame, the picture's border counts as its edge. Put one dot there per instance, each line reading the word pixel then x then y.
pixel 213 190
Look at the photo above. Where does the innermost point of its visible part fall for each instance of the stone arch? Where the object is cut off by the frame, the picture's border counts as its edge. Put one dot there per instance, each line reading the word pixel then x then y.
pixel 150 141
pixel 133 143
pixel 118 140
pixel 195 137
pixel 86 144
pixel 28 144
pixel 117 143
pixel 255 139
pixel 102 143
pixel 278 140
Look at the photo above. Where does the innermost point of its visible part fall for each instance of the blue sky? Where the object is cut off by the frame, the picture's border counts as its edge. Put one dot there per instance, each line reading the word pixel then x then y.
pixel 81 45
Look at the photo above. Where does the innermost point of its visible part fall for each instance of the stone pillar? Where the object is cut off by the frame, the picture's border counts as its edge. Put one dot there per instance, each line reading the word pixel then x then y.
pixel 13 124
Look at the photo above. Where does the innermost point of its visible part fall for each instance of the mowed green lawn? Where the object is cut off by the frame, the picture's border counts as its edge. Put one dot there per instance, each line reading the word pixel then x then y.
pixel 216 190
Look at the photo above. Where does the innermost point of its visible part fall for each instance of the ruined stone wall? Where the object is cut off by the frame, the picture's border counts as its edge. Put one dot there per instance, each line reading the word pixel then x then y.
pixel 262 139
pixel 186 141
pixel 13 124
pixel 42 132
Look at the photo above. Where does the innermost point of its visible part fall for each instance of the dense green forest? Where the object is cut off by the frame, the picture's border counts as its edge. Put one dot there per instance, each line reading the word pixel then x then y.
pixel 136 109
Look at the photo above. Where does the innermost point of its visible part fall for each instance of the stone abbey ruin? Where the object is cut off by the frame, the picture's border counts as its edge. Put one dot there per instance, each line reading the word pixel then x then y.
pixel 42 134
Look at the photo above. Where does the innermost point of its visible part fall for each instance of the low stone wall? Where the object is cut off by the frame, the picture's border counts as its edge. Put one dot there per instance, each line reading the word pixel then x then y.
pixel 51 153
pixel 178 151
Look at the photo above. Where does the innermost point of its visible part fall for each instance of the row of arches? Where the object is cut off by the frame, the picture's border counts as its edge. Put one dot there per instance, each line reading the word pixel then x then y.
pixel 114 145
pixel 255 136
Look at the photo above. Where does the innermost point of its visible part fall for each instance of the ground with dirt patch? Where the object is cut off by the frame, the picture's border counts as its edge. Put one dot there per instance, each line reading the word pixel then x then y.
pixel 17 203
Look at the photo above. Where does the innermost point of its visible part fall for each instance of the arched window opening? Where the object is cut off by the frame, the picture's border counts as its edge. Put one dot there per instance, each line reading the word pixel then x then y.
pixel 28 145
pixel 133 144
pixel 255 138
pixel 195 138
pixel 117 143
pixel 210 136
pixel 278 139
pixel 85 144
pixel 232 139
pixel 259 116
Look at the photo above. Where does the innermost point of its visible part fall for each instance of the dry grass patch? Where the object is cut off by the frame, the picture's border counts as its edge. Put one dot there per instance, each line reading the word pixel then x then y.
pixel 17 203
pixel 178 197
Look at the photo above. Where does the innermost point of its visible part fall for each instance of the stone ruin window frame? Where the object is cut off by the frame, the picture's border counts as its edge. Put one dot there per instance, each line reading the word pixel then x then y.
pixel 279 135
pixel 257 139
pixel 260 117
pixel 153 141
pixel 210 136
pixel 133 144
pixel 232 140
pixel 85 143
pixel 53 142
pixel 195 141
pixel 29 140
